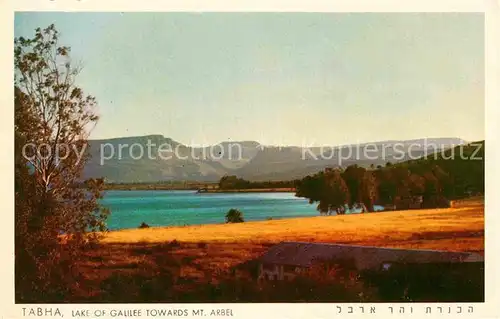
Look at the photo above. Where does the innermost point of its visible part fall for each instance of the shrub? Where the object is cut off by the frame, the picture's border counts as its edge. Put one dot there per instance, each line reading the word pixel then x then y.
pixel 143 225
pixel 234 216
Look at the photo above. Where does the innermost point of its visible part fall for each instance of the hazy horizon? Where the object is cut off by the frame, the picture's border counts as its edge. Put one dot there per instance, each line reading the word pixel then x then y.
pixel 285 145
pixel 278 78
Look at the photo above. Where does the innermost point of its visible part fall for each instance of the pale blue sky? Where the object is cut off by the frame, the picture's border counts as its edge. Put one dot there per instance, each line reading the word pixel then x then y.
pixel 288 78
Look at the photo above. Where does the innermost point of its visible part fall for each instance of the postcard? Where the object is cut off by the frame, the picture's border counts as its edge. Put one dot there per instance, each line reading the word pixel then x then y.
pixel 255 161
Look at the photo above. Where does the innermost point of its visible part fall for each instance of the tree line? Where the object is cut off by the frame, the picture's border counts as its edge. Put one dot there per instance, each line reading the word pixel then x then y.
pixel 428 182
pixel 228 182
pixel 336 190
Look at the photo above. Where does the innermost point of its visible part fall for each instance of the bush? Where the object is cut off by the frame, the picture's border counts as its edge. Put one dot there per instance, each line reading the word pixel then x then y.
pixel 234 216
pixel 143 225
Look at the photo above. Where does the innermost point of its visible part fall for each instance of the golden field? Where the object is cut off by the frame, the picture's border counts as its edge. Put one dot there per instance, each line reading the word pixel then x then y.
pixel 459 228
pixel 207 254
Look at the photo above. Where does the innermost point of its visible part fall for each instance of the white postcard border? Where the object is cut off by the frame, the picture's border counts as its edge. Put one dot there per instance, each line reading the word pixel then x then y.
pixel 489 309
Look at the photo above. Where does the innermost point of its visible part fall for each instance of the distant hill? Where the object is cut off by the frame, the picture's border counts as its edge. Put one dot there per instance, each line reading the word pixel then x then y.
pixel 465 164
pixel 122 161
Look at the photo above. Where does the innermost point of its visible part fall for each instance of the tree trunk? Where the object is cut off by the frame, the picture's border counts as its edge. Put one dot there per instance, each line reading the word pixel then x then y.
pixel 363 208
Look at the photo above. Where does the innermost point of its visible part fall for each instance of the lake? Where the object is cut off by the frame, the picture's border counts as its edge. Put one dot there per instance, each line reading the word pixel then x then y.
pixel 177 208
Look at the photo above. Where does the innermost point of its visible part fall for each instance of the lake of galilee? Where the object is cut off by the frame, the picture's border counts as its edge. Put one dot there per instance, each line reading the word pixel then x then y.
pixel 177 208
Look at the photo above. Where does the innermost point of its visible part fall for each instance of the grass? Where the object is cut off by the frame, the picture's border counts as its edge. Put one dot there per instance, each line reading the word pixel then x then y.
pixel 459 229
pixel 183 264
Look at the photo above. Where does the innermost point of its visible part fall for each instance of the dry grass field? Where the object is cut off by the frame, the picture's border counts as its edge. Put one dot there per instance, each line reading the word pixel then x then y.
pixel 194 256
pixel 460 228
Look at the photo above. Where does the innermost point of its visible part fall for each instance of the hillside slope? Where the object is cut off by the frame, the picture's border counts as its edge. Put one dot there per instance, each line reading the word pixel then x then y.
pixel 141 159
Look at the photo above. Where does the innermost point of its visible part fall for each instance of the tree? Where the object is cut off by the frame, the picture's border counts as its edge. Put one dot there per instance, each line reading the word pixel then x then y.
pixel 233 182
pixel 234 216
pixel 362 185
pixel 445 180
pixel 368 191
pixel 432 190
pixel 57 213
pixel 328 189
pixel 353 176
pixel 337 194
pixel 387 185
pixel 311 187
pixel 416 184
pixel 401 178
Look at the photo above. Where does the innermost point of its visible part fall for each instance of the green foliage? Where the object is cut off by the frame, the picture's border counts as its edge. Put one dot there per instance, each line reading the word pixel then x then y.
pixel 229 182
pixel 234 216
pixel 233 182
pixel 369 191
pixel 56 213
pixel 362 186
pixel 427 182
pixel 353 177
pixel 328 188
pixel 460 170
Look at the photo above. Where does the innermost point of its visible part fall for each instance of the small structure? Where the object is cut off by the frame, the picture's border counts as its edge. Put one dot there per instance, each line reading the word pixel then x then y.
pixel 287 259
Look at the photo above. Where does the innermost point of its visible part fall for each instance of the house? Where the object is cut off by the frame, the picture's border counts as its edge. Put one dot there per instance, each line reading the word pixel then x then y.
pixel 287 259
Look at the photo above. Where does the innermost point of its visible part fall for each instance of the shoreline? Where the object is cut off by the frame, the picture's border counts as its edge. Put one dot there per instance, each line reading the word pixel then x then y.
pixel 372 228
pixel 202 190
pixel 248 190
pixel 271 219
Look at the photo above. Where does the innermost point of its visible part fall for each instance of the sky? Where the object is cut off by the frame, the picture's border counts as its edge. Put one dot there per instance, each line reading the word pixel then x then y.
pixel 278 78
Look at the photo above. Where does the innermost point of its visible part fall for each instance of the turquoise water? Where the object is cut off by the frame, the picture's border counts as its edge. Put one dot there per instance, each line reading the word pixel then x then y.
pixel 175 208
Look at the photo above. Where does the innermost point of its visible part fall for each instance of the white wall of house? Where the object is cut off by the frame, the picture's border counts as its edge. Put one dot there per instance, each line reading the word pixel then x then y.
pixel 277 272
pixel 270 272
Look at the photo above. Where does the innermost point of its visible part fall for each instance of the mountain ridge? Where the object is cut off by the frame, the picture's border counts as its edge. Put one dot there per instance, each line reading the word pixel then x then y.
pixel 247 159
